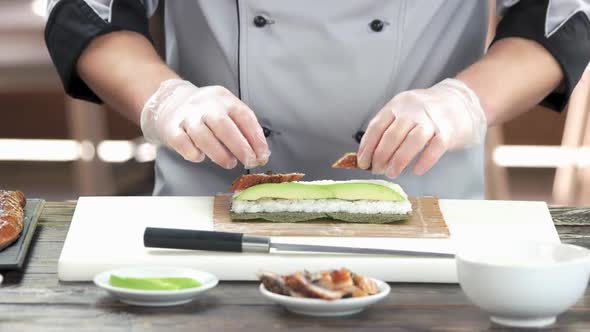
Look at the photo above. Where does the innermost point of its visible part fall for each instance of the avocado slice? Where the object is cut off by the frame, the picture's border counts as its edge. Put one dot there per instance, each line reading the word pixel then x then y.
pixel 345 190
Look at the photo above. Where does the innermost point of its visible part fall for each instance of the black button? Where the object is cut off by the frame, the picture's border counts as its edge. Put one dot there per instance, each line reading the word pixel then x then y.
pixel 260 21
pixel 377 25
pixel 358 136
pixel 266 131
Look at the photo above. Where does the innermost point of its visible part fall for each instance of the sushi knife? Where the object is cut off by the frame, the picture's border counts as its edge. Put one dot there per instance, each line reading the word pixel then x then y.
pixel 237 242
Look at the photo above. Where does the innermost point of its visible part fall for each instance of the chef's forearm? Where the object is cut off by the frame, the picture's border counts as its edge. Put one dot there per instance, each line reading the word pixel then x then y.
pixel 514 76
pixel 124 70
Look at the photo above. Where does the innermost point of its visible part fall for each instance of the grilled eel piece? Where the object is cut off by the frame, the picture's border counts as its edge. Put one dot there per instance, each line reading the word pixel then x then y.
pixel 328 285
pixel 12 204
pixel 249 180
pixel 348 160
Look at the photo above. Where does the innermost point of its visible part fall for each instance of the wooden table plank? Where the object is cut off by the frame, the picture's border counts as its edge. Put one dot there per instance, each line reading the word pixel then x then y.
pixel 36 300
pixel 204 316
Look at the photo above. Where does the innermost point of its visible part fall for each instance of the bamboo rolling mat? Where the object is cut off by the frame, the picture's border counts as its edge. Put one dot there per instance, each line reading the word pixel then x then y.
pixel 426 222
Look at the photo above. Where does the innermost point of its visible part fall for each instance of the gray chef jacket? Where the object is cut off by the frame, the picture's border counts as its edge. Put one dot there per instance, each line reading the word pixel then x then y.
pixel 316 72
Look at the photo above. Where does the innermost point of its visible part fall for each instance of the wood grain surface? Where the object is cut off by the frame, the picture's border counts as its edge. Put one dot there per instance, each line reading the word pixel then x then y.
pixel 34 300
pixel 426 222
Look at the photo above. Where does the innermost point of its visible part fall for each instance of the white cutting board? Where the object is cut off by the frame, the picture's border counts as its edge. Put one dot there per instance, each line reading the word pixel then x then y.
pixel 107 233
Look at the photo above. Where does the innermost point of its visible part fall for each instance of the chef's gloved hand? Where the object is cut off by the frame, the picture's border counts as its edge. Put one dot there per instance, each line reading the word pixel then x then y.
pixel 208 121
pixel 444 117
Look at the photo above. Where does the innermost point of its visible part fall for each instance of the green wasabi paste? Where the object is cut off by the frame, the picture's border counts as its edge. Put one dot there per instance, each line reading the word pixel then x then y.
pixel 173 283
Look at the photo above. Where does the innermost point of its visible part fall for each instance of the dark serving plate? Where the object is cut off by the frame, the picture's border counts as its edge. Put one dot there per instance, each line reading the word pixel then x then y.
pixel 13 256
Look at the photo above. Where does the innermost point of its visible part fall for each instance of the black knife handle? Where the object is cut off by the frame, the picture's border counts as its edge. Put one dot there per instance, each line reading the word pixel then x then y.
pixel 192 239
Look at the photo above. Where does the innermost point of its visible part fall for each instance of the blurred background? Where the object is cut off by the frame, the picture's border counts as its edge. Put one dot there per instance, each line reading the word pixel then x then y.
pixel 57 148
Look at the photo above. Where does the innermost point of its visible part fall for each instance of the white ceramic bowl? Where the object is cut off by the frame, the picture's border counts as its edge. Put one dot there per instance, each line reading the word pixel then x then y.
pixel 523 285
pixel 156 298
pixel 324 308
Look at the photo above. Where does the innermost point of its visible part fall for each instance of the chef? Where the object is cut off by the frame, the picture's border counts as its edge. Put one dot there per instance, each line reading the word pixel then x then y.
pixel 292 85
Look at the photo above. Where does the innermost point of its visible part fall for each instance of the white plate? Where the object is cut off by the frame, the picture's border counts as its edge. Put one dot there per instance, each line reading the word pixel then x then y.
pixel 156 298
pixel 324 308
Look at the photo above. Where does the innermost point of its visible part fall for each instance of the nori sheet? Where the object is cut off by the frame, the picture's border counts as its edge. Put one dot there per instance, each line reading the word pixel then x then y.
pixel 294 217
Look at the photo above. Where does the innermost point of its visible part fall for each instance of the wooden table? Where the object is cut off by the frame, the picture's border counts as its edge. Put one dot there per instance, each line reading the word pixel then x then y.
pixel 35 300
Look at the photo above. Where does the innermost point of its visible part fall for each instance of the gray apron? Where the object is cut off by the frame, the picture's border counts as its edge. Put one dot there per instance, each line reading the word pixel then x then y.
pixel 316 73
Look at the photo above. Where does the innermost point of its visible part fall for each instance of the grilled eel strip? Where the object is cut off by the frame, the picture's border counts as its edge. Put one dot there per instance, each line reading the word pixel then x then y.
pixel 328 285
pixel 348 160
pixel 249 180
pixel 12 204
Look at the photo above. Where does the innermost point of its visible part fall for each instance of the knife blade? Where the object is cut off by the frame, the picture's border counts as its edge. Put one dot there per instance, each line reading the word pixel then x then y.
pixel 170 238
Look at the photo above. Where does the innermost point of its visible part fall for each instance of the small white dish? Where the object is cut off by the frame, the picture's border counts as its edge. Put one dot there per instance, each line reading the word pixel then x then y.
pixel 325 308
pixel 156 298
pixel 523 285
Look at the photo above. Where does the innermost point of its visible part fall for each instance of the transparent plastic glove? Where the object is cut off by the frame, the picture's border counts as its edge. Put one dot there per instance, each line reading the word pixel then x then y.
pixel 207 121
pixel 432 121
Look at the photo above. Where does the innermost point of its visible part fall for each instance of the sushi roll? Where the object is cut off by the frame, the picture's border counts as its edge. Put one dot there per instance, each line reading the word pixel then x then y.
pixel 355 201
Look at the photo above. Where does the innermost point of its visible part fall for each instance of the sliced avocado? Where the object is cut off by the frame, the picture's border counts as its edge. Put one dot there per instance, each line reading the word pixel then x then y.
pixel 350 191
pixel 285 190
pixel 359 190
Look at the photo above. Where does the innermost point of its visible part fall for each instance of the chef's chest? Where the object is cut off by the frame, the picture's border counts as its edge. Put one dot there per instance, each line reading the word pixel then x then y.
pixel 358 52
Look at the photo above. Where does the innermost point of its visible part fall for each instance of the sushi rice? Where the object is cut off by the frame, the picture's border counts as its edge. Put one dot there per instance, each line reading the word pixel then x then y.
pixel 321 205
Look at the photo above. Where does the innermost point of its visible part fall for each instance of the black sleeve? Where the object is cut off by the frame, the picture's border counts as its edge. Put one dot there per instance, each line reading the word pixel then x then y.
pixel 73 24
pixel 569 45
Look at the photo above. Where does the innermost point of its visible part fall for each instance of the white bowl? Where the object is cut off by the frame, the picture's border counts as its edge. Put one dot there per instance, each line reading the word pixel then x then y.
pixel 523 285
pixel 325 308
pixel 156 298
